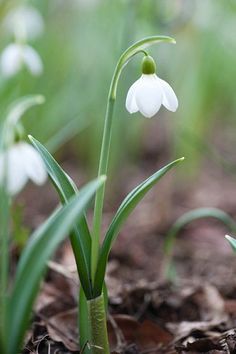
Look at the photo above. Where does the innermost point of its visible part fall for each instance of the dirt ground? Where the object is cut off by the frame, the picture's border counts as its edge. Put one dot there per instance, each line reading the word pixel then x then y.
pixel 194 313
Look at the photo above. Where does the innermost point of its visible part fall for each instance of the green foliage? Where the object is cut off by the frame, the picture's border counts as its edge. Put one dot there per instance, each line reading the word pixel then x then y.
pixel 33 261
pixel 20 232
pixel 80 237
pixel 126 207
pixel 185 219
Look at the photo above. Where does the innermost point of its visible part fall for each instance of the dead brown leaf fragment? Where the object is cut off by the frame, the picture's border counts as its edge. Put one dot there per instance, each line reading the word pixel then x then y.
pixel 146 335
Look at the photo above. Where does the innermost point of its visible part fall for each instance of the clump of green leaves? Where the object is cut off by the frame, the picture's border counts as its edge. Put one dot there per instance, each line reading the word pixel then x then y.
pixel 91 256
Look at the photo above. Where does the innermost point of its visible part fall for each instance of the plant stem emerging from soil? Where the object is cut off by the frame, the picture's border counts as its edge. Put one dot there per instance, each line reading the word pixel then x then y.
pixel 97 319
pixel 103 163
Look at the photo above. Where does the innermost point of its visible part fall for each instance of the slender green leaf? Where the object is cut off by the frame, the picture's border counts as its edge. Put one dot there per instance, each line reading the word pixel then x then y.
pixel 122 214
pixel 232 242
pixel 80 236
pixel 34 258
pixel 192 215
pixel 4 260
pixel 4 245
pixel 185 219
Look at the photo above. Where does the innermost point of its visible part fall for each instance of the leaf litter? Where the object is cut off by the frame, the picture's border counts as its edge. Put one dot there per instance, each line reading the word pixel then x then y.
pixel 195 314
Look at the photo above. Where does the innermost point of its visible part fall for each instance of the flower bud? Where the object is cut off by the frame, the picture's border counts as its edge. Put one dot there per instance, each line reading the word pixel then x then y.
pixel 148 65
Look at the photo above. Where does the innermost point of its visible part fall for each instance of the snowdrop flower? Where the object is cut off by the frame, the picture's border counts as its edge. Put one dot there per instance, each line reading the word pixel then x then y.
pixel 15 56
pixel 25 22
pixel 18 164
pixel 149 92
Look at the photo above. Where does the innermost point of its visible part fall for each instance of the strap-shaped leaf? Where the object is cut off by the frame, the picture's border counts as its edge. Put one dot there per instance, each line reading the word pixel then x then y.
pixel 40 248
pixel 4 262
pixel 192 215
pixel 4 246
pixel 122 214
pixel 80 236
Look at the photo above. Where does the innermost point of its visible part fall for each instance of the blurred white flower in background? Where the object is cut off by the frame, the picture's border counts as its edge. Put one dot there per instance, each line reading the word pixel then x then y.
pixel 87 4
pixel 147 95
pixel 24 22
pixel 15 56
pixel 18 164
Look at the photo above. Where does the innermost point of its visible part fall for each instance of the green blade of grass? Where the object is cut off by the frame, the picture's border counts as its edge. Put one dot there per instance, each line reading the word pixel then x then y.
pixel 192 215
pixel 34 258
pixel 196 214
pixel 80 236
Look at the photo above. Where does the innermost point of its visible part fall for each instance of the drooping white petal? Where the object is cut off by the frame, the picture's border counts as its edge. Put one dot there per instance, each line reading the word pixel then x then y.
pixel 25 22
pixel 32 60
pixel 170 100
pixel 11 168
pixel 11 60
pixel 149 95
pixel 16 176
pixel 33 164
pixel 130 103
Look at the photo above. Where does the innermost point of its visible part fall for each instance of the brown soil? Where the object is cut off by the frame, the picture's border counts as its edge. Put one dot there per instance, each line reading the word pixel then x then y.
pixel 196 313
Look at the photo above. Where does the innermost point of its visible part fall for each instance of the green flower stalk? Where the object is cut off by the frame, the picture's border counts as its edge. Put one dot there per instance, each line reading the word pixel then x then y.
pixel 97 321
pixel 148 63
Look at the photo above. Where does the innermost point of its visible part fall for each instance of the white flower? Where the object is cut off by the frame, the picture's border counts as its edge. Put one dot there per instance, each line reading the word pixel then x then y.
pixel 20 163
pixel 25 22
pixel 15 56
pixel 147 95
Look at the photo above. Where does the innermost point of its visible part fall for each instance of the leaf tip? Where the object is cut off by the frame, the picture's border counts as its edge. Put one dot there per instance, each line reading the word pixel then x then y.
pixel 103 178
pixel 31 138
pixel 230 238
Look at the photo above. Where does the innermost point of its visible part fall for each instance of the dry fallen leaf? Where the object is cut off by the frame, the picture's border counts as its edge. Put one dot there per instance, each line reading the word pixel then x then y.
pixel 63 328
pixel 145 335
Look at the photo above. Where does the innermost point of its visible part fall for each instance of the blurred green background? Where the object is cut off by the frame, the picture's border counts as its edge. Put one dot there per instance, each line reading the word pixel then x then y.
pixel 80 46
